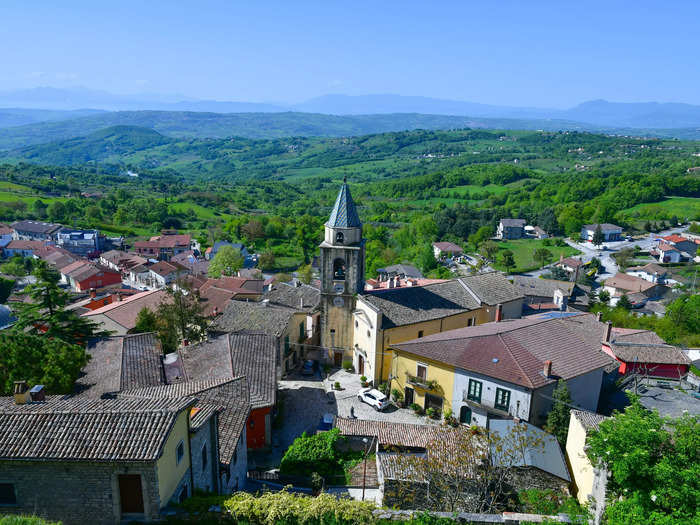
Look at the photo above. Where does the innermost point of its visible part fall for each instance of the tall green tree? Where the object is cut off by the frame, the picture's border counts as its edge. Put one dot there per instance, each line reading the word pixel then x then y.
pixel 37 359
pixel 598 237
pixel 558 417
pixel 6 287
pixel 180 317
pixel 508 260
pixel 47 314
pixel 146 321
pixel 542 255
pixel 227 261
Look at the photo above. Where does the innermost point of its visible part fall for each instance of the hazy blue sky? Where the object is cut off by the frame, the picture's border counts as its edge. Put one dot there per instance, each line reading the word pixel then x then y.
pixel 527 52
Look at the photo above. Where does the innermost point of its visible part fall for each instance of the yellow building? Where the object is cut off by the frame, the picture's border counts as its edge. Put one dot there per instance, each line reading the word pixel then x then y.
pixel 386 317
pixel 425 382
pixel 589 483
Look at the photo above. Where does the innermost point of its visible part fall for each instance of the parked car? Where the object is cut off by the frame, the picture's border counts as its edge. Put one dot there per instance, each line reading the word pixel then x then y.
pixel 374 398
pixel 308 368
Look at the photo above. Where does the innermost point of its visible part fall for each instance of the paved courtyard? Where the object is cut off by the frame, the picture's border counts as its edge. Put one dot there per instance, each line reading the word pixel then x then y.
pixel 347 398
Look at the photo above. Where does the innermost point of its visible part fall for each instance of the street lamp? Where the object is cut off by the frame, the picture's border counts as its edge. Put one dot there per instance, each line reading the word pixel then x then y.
pixel 364 464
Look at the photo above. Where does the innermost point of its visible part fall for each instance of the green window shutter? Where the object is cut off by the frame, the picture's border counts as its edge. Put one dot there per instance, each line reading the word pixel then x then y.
pixel 502 399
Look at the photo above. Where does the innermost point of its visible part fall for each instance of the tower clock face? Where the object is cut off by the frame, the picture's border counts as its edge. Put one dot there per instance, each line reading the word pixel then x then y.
pixel 338 301
pixel 339 287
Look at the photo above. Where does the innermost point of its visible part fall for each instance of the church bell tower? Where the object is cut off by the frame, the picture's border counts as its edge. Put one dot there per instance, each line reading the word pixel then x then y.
pixel 342 275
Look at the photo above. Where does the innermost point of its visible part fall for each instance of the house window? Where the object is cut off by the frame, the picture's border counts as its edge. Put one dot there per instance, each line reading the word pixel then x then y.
pixel 474 392
pixel 7 494
pixel 205 457
pixel 302 332
pixel 339 238
pixel 470 321
pixel 420 334
pixel 422 372
pixel 286 344
pixel 180 452
pixel 502 399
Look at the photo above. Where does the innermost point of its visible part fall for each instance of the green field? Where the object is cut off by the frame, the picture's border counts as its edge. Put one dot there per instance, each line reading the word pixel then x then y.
pixel 682 207
pixel 523 250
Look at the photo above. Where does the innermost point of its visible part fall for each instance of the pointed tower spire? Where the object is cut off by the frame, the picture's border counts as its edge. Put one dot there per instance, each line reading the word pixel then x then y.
pixel 344 214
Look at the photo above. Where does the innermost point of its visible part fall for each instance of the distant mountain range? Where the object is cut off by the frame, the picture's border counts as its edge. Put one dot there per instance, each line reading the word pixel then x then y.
pixel 593 114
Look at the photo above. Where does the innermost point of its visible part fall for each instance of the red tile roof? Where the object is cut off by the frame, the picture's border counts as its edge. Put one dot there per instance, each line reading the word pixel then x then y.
pixel 24 245
pixel 630 283
pixel 125 312
pixel 447 247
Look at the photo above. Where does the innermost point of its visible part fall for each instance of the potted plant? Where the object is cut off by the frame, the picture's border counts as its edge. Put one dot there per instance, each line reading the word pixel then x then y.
pixel 347 365
pixel 336 385
pixel 397 396
pixel 417 408
pixel 431 412
pixel 363 381
pixel 449 418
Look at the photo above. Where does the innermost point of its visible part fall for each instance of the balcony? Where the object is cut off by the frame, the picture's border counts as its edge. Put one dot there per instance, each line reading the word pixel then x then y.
pixel 484 405
pixel 425 384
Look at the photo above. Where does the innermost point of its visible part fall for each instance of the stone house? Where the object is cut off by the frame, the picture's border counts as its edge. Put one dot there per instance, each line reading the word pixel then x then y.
pixel 162 247
pixel 511 229
pixel 134 455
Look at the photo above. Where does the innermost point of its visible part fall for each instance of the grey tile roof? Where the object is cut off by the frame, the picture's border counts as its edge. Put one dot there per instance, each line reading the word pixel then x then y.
pixel 36 227
pixel 534 286
pixel 255 316
pixel 121 363
pixel 589 420
pixel 248 354
pixel 650 268
pixel 515 350
pixel 412 304
pixel 491 288
pixel 546 456
pixel 603 226
pixel 80 429
pixel 670 402
pixel 229 396
pixel 513 223
pixel 344 213
pixel 393 434
pixel 649 353
pixel 299 296
pixel 408 270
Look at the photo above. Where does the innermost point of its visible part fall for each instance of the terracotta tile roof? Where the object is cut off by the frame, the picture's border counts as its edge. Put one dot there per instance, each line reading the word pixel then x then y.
pixel 675 238
pixel 235 284
pixel 515 350
pixel 165 268
pixel 121 363
pixel 214 300
pixel 571 262
pixel 6 230
pixel 123 260
pixel 69 429
pixel 392 434
pixel 24 245
pixel 448 247
pixel 668 248
pixel 165 241
pixel 125 312
pixel 230 396
pixel 650 268
pixel 629 283
pixel 253 355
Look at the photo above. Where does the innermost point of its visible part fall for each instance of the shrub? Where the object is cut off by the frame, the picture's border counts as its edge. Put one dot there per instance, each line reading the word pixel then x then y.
pixel 416 408
pixel 396 395
pixel 25 520
pixel 363 379
pixel 336 385
pixel 315 453
pixel 431 413
pixel 347 365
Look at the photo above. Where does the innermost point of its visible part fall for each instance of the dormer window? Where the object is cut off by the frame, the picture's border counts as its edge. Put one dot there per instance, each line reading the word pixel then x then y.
pixel 339 270
pixel 339 238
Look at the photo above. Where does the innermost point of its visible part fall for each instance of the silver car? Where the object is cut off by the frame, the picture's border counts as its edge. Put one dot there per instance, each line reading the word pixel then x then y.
pixel 374 398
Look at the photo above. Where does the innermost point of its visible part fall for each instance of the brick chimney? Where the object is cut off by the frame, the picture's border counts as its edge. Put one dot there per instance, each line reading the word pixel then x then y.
pixel 499 312
pixel 547 369
pixel 607 334
pixel 21 392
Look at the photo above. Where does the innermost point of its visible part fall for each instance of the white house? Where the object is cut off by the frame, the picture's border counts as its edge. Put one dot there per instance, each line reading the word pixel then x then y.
pixel 511 229
pixel 611 232
pixel 446 249
pixel 668 253
pixel 650 272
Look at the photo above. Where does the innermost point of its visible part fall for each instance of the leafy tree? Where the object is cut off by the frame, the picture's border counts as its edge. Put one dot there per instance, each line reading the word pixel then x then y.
pixel 37 359
pixel 305 273
pixel 315 453
pixel 558 417
pixel 624 302
pixel 598 237
pixel 266 261
pixel 146 321
pixel 6 286
pixel 426 259
pixel 227 261
pixel 508 260
pixel 484 233
pixel 489 249
pixel 604 296
pixel 47 315
pixel 542 255
pixel 654 465
pixel 180 317
pixel 18 266
pixel 647 226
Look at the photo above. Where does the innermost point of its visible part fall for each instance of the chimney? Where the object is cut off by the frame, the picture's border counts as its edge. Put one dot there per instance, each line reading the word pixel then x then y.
pixel 547 370
pixel 37 393
pixel 391 282
pixel 608 332
pixel 301 303
pixel 21 392
pixel 499 312
pixel 216 310
pixel 93 293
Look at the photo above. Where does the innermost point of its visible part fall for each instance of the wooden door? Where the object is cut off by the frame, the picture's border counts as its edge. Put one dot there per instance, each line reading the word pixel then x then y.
pixel 408 396
pixel 360 365
pixel 130 494
pixel 338 359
